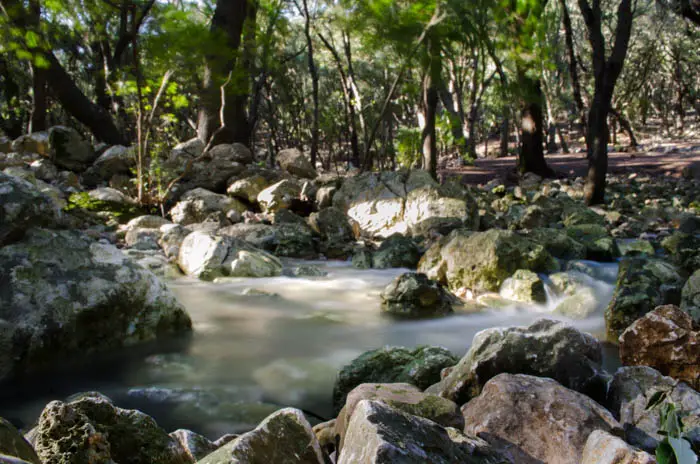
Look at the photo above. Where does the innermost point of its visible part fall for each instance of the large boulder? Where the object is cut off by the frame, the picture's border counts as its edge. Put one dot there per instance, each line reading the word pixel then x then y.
pixel 534 420
pixel 690 296
pixel 380 434
pixel 92 430
pixel 208 256
pixel 23 206
pixel 66 295
pixel 600 246
pixel 335 231
pixel 638 396
pixel 115 160
pixel 642 285
pixel 413 295
pixel 279 196
pixel 408 203
pixel 36 142
pixel 287 240
pixel 396 251
pixel 212 170
pixel 283 437
pixel 195 445
pixel 558 243
pixel 69 150
pixel 200 205
pixel 420 367
pixel 12 443
pixel 546 348
pixel 666 339
pixel 604 448
pixel 295 163
pixel 236 152
pixel 482 261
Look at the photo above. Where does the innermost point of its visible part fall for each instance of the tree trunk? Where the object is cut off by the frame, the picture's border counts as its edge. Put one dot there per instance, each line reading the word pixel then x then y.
pixel 313 71
pixel 597 141
pixel 532 127
pixel 505 135
pixel 431 81
pixel 228 21
pixel 573 67
pixel 39 75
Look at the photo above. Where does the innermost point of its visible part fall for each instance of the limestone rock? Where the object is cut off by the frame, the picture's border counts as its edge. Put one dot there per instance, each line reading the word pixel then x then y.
pixel 248 188
pixel 604 448
pixel 295 163
pixel 115 160
pixel 690 296
pixel 195 445
pixel 335 231
pixel 12 443
pixel 279 196
pixel 69 150
pixel 200 205
pixel 396 251
pixel 525 287
pixel 413 295
pixel 23 206
pixel 558 243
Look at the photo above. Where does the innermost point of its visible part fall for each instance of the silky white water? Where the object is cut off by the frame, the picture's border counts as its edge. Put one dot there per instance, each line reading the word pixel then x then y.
pixel 259 344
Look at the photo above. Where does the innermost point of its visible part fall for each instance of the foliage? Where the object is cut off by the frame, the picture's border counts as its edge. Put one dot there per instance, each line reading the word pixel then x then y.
pixel 675 448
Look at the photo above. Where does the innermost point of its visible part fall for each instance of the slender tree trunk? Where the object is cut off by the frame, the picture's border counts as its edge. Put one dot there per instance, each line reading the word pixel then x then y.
pixel 505 135
pixel 39 75
pixel 573 65
pixel 313 71
pixel 431 81
pixel 12 125
pixel 532 127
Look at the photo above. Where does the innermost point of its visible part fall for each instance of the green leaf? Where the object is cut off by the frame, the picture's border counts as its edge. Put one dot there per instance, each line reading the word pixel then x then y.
pixel 682 450
pixel 32 39
pixel 664 454
pixel 656 399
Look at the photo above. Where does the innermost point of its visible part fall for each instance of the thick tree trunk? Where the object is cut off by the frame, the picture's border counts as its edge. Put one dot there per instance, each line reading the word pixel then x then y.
pixel 532 128
pixel 228 21
pixel 39 75
pixel 431 81
pixel 597 141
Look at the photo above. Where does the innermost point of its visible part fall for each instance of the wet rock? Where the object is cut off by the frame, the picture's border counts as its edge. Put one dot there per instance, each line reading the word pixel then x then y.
pixel 413 295
pixel 600 246
pixel 195 445
pixel 535 419
pixel 288 240
pixel 248 188
pixel 67 296
pixel 92 430
pixel 23 206
pixel 666 339
pixel 420 367
pixel 396 251
pixel 604 448
pixel 285 436
pixel 635 247
pixel 279 196
pixel 295 163
pixel 12 443
pixel 335 231
pixel 408 203
pixel 305 270
pixel 546 348
pixel 558 244
pixel 379 434
pixel 642 285
pixel 524 286
pixel 200 205
pixel 690 296
pixel 69 150
pixel 638 395
pixel 482 261
pixel 579 305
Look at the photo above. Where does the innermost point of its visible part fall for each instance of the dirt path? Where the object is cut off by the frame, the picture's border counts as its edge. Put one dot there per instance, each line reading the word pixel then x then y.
pixel 668 160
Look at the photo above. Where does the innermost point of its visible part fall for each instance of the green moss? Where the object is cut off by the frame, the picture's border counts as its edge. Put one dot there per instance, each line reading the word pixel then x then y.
pixel 117 212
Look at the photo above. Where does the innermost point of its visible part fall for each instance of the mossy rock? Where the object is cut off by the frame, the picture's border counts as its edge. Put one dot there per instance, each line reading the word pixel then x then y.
pixel 114 212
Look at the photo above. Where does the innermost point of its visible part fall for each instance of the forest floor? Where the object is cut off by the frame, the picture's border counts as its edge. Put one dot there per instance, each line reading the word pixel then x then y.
pixel 669 158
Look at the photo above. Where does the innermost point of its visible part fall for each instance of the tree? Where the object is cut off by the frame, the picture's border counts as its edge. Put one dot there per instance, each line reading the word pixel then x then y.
pixel 605 72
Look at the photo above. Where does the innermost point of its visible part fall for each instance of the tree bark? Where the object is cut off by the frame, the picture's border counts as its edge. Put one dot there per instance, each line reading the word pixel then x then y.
pixel 431 82
pixel 39 75
pixel 313 71
pixel 532 127
pixel 573 65
pixel 228 22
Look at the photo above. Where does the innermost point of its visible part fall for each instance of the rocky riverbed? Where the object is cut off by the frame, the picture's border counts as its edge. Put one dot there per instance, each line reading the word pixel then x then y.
pixel 406 313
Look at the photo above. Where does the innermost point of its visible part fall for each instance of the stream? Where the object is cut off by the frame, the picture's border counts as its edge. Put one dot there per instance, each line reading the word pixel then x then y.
pixel 260 344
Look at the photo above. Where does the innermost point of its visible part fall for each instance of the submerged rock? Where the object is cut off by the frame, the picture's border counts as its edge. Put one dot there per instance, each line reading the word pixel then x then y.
pixel 546 348
pixel 66 296
pixel 379 434
pixel 283 437
pixel 420 367
pixel 533 420
pixel 413 295
pixel 666 339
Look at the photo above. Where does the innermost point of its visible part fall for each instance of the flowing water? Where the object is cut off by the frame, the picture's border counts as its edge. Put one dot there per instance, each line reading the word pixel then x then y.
pixel 262 343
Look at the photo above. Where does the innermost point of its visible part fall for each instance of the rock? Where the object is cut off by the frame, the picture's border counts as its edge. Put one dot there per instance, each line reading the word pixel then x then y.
pixel 362 258
pixel 689 224
pixel 36 142
pixel 596 271
pixel 69 150
pixel 184 151
pixel 92 430
pixel 379 434
pixel 600 246
pixel 236 152
pixel 482 261
pixel 195 445
pixel 5 144
pixel 535 419
pixel 207 256
pixel 4 459
pixel 115 160
pixel 305 270
pixel 12 443
pixel 279 196
pixel 142 239
pixel 200 205
pixel 324 196
pixel 635 247
pixel 420 367
pixel 579 305
pixel 666 339
pixel 248 189
pixel 639 394
pixel 335 231
pixel 604 448
pixel 576 214
pixel 146 222
pixel 171 238
pixel 684 250
pixel 288 240
pixel 284 437
pixel 408 203
pixel 295 163
pixel 110 195
pixel 44 169
pixel 284 216
pixel 23 206
pixel 642 285
pixel 524 286
pixel 67 296
pixel 396 251
pixel 413 295
pixel 558 244
pixel 153 260
pixel 690 297
pixel 403 397
pixel 546 348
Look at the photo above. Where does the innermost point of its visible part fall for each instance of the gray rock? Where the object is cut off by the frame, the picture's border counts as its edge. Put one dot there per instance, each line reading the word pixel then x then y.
pixel 236 152
pixel 23 206
pixel 600 246
pixel 525 287
pixel 67 296
pixel 288 240
pixel 36 142
pixel 335 231
pixel 248 188
pixel 115 160
pixel 45 170
pixel 534 420
pixel 295 163
pixel 604 448
pixel 690 296
pixel 279 196
pixel 413 295
pixel 12 443
pixel 195 445
pixel 546 348
pixel 171 238
pixel 146 222
pixel 396 251
pixel 200 205
pixel 69 150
